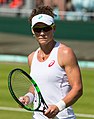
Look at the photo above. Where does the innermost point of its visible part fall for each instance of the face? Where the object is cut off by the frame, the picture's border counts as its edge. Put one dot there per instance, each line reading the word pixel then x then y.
pixel 43 33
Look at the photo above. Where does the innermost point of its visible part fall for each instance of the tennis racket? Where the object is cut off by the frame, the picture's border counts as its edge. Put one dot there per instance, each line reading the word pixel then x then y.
pixel 19 83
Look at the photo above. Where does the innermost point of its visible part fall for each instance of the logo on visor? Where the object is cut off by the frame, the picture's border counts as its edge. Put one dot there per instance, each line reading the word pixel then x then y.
pixel 51 63
pixel 40 17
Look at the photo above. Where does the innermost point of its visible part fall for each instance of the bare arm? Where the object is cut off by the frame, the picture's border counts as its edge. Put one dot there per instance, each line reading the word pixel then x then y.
pixel 68 61
pixel 30 57
pixel 29 97
pixel 74 76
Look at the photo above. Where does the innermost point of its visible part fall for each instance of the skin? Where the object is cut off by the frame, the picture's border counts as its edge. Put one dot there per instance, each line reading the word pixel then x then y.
pixel 61 4
pixel 67 60
pixel 25 99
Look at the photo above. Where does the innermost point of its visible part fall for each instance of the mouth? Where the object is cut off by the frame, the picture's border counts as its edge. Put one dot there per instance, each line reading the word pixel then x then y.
pixel 42 38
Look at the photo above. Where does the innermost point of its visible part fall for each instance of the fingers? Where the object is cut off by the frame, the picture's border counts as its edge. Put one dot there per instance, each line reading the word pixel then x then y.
pixel 24 100
pixel 52 111
pixel 27 100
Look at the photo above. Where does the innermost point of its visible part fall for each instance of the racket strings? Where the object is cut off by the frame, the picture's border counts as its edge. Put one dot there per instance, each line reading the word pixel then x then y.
pixel 20 85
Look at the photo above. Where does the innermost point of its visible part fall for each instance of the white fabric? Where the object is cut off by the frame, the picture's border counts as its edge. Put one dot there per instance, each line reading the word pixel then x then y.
pixel 61 105
pixel 31 97
pixel 52 81
pixel 46 19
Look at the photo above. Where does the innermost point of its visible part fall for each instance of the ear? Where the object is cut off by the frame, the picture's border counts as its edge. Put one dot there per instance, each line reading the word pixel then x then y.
pixel 33 32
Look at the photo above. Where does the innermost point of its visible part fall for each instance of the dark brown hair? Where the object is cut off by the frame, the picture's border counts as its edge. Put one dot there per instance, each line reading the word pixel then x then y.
pixel 41 10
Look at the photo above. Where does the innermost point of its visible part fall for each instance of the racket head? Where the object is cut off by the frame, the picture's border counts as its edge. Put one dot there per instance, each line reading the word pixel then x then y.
pixel 18 83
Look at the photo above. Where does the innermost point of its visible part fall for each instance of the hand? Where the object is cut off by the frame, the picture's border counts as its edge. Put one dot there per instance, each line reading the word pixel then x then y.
pixel 24 100
pixel 52 111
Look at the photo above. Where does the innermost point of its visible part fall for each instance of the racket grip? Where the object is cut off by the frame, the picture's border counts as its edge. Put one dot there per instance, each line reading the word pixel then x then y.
pixel 31 97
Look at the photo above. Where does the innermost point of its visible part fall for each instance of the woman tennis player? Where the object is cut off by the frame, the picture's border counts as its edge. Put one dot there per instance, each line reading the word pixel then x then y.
pixel 54 67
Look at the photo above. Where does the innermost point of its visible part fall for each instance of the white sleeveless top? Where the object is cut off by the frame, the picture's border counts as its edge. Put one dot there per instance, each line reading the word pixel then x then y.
pixel 51 79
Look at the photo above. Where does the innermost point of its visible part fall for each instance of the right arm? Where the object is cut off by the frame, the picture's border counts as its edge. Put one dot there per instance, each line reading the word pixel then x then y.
pixel 29 97
pixel 30 57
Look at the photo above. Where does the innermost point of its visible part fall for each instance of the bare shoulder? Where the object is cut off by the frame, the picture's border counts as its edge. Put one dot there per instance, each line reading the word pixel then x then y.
pixel 66 55
pixel 30 57
pixel 65 50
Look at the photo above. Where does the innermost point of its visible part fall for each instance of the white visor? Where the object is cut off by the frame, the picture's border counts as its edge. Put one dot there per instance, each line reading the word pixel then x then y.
pixel 43 18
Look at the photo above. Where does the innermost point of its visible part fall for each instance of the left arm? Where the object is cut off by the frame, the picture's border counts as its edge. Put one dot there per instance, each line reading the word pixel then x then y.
pixel 74 77
pixel 68 61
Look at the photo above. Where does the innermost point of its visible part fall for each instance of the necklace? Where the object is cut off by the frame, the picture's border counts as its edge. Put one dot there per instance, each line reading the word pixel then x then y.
pixel 43 56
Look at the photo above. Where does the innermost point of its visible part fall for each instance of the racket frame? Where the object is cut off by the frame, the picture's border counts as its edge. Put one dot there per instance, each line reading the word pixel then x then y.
pixel 41 100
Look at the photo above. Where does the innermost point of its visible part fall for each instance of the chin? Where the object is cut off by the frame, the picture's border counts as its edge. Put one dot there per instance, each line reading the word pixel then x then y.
pixel 43 43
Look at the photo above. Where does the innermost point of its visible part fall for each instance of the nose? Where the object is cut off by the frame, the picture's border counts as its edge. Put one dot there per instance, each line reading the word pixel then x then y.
pixel 42 32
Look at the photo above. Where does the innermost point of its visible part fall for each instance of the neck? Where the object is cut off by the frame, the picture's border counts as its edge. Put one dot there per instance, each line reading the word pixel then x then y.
pixel 46 49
